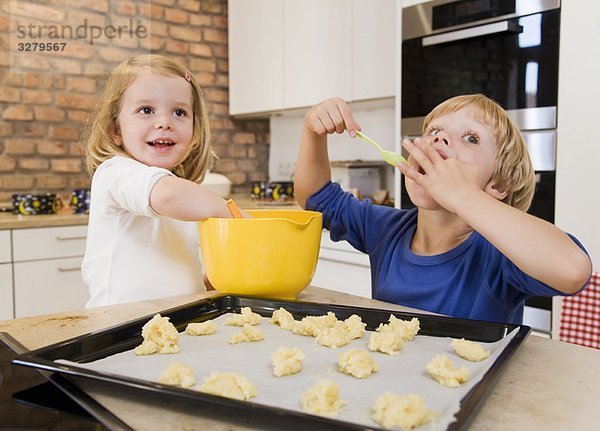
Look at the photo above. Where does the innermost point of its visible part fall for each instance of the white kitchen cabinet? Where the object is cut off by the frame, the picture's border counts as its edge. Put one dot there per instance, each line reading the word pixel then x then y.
pixel 6 284
pixel 49 286
pixel 317 37
pixel 293 53
pixel 374 44
pixel 47 270
pixel 255 56
pixel 6 292
pixel 342 268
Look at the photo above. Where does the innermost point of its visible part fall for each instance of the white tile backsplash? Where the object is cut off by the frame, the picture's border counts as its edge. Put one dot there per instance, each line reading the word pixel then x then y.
pixel 376 122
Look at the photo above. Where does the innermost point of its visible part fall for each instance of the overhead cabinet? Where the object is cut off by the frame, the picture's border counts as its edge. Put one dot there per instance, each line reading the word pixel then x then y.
pixel 286 54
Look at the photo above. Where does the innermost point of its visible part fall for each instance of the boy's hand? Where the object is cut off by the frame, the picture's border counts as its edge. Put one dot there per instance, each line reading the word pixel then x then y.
pixel 448 181
pixel 331 116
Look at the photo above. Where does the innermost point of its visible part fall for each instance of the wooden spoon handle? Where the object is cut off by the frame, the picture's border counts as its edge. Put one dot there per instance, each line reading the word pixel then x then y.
pixel 233 209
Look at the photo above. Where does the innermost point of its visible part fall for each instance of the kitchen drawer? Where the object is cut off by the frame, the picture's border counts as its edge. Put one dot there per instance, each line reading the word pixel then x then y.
pixel 48 242
pixel 49 286
pixel 6 292
pixel 5 248
pixel 343 277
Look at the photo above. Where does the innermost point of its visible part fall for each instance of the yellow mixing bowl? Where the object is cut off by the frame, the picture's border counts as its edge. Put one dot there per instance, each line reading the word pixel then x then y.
pixel 274 254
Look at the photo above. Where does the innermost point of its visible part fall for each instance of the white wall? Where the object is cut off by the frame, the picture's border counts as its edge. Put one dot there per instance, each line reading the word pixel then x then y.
pixel 578 146
pixel 377 120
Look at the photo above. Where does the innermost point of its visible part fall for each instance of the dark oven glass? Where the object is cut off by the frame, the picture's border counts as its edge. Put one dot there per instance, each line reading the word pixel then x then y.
pixel 518 68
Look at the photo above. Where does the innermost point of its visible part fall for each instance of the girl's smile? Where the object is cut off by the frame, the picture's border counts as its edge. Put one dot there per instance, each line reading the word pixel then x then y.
pixel 155 122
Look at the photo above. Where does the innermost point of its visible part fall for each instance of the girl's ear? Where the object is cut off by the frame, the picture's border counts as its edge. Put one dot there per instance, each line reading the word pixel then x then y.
pixel 491 189
pixel 117 135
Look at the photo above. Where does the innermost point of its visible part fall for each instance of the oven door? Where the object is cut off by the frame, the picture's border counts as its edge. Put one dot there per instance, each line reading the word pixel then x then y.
pixel 514 62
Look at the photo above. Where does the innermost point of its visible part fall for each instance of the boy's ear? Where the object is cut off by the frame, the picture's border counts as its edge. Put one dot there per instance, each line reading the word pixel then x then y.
pixel 491 189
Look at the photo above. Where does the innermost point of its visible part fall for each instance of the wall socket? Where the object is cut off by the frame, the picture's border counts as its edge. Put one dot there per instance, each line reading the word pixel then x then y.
pixel 286 169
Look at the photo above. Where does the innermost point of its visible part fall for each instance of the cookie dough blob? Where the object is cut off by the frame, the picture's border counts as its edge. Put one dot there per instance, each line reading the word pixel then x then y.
pixel 313 325
pixel 178 374
pixel 323 399
pixel 160 336
pixel 445 373
pixel 202 328
pixel 388 342
pixel 406 329
pixel 249 333
pixel 228 384
pixel 404 411
pixel 246 316
pixel 334 337
pixel 283 318
pixel 287 361
pixel 357 363
pixel 355 326
pixel 470 350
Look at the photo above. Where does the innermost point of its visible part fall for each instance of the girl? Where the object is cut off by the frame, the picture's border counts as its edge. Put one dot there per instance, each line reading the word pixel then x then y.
pixel 469 249
pixel 148 150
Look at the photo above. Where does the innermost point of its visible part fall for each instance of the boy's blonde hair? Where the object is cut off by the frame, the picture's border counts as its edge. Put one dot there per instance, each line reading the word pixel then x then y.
pixel 100 142
pixel 513 170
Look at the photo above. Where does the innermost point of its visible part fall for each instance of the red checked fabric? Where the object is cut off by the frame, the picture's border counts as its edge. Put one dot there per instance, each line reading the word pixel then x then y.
pixel 580 317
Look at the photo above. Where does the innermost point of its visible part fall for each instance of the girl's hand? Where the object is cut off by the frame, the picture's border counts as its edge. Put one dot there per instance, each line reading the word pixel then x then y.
pixel 331 116
pixel 448 181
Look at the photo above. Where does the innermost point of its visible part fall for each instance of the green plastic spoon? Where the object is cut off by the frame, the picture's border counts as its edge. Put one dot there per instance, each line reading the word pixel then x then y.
pixel 389 156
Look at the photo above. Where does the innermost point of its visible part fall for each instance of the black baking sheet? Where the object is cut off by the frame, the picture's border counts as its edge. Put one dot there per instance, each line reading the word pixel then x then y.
pixel 124 337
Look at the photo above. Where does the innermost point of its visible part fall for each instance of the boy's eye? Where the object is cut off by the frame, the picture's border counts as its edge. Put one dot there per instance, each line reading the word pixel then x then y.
pixel 180 112
pixel 471 139
pixel 434 132
pixel 145 110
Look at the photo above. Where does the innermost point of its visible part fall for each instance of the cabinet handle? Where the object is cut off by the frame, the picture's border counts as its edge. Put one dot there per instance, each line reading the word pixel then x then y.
pixel 74 268
pixel 468 33
pixel 69 238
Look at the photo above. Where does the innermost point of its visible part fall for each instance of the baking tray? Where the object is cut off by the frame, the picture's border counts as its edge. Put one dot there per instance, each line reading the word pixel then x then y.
pixel 101 344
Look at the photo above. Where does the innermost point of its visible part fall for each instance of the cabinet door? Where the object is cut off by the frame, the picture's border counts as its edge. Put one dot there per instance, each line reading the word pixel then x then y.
pixel 5 246
pixel 317 44
pixel 49 286
pixel 342 268
pixel 49 242
pixel 255 56
pixel 343 277
pixel 6 292
pixel 374 49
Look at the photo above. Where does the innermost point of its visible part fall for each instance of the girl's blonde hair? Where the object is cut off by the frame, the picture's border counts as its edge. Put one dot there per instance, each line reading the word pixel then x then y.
pixel 513 170
pixel 99 137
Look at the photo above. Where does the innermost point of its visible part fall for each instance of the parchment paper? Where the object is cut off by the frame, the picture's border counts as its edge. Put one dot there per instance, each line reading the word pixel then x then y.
pixel 401 374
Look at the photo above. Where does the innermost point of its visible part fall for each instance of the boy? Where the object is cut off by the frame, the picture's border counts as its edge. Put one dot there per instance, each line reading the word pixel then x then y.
pixel 469 249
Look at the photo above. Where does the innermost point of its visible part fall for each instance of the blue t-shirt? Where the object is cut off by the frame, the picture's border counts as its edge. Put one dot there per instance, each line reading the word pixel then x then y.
pixel 473 280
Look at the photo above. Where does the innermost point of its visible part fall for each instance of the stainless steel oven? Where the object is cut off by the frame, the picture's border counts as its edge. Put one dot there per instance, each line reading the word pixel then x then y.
pixel 505 49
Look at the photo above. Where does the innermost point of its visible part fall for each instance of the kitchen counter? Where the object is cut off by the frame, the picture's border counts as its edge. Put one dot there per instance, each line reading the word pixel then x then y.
pixel 66 218
pixel 63 218
pixel 244 201
pixel 547 384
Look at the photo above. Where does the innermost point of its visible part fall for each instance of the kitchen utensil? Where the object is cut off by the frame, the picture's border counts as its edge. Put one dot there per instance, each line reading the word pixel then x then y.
pixel 272 254
pixel 218 184
pixel 233 208
pixel 389 156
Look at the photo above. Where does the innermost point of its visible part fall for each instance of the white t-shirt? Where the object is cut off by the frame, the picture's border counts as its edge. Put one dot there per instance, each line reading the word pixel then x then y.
pixel 132 253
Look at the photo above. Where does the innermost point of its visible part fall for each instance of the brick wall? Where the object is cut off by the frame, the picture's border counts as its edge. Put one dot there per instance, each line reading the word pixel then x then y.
pixel 42 115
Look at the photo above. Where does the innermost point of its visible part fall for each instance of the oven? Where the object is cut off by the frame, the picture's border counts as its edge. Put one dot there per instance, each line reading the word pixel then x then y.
pixel 507 50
